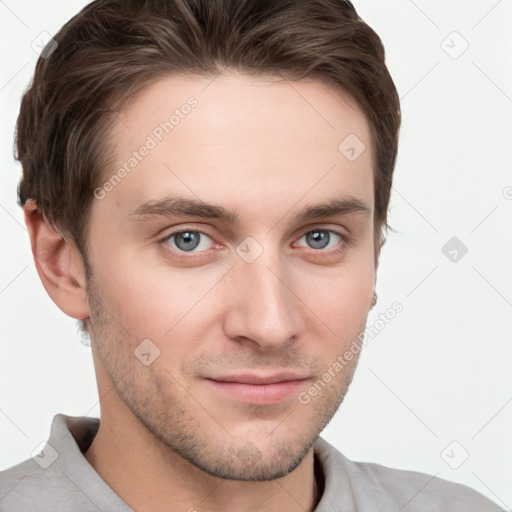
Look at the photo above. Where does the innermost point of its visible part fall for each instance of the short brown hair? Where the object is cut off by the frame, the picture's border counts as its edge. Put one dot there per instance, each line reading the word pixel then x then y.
pixel 112 48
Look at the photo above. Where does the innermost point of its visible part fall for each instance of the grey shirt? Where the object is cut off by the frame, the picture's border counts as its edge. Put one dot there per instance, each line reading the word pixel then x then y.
pixel 61 480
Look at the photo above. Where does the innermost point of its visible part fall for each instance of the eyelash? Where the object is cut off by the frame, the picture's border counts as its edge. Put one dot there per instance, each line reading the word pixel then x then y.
pixel 345 240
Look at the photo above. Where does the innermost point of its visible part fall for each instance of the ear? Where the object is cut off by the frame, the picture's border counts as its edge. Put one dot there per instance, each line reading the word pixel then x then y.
pixel 58 263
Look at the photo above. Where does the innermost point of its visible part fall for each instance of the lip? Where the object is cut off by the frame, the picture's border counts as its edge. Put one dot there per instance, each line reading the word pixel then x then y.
pixel 259 389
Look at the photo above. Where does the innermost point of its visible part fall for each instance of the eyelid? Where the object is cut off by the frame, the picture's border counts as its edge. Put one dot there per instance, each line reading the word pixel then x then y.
pixel 337 229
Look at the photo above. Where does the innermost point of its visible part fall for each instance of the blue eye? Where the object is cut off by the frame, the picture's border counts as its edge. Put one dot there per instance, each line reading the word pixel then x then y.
pixel 321 242
pixel 187 240
pixel 322 238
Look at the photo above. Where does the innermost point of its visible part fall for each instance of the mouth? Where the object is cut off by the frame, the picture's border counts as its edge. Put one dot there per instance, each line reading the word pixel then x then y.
pixel 259 389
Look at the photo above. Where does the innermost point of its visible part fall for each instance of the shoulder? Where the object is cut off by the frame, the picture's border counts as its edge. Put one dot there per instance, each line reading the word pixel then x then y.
pixel 27 484
pixel 59 477
pixel 376 487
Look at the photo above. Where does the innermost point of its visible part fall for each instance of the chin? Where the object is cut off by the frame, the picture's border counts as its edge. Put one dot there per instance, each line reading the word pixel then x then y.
pixel 249 464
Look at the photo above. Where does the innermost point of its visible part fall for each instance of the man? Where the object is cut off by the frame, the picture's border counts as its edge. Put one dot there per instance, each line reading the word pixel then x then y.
pixel 205 185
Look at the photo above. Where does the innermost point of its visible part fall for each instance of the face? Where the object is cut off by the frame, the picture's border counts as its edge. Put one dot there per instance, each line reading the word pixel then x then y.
pixel 222 294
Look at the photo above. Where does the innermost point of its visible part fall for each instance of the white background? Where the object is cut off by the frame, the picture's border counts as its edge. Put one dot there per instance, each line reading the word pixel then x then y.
pixel 441 370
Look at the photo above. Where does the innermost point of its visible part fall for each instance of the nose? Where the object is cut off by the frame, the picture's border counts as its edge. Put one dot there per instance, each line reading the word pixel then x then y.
pixel 262 306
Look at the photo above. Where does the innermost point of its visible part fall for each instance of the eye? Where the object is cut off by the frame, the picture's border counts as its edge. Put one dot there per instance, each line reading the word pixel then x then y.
pixel 322 239
pixel 187 241
pixel 191 241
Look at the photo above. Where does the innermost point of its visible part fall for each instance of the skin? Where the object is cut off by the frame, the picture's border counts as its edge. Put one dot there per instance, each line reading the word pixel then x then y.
pixel 168 440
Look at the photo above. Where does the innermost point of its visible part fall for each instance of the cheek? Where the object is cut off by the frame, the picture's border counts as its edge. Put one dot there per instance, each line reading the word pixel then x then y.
pixel 339 294
pixel 163 303
pixel 339 299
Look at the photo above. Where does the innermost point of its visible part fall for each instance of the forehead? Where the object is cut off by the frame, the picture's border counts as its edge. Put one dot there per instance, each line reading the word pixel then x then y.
pixel 234 138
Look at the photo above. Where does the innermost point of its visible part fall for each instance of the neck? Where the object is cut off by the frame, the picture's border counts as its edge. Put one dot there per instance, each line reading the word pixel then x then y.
pixel 148 476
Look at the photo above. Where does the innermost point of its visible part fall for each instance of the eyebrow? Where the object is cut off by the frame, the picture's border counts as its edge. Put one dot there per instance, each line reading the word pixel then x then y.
pixel 174 206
